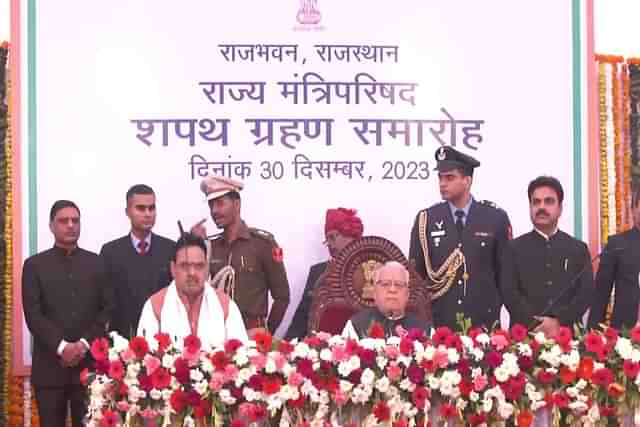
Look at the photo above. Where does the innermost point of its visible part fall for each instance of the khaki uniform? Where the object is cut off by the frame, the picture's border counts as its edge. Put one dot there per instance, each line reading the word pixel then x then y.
pixel 256 259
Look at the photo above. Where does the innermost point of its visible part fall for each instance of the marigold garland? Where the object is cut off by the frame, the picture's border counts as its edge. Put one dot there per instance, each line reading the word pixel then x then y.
pixel 626 149
pixel 604 173
pixel 8 264
pixel 16 405
pixel 617 144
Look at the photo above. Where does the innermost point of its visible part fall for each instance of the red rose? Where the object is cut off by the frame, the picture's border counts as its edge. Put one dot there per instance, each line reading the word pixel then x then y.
pixel 367 357
pixel 182 370
pixel 160 378
pixel 561 399
pixel 415 374
pixel 611 336
pixel 178 400
pixel 631 369
pixel 464 367
pixel 164 340
pixel 285 348
pixel 116 370
pixel 271 385
pixel 567 376
pixel 238 423
pixel 202 409
pixel 602 377
pixel 453 341
pixel 448 411
pixel 524 419
pixel 100 349
pixel 494 359
pixel 256 382
pixel 381 411
pixel 519 332
pixel 139 347
pixel 305 367
pixel 192 344
pixel 109 419
pixel 585 368
pixel 376 331
pixel 564 337
pixel 634 334
pixel 263 341
pixel 440 335
pixel 545 377
pixel 230 346
pixel 406 346
pixel 259 413
pixel 84 377
pixel 593 342
pixel 219 360
pixel 419 397
pixel 615 390
pixel 145 382
pixel 476 419
pixel 525 363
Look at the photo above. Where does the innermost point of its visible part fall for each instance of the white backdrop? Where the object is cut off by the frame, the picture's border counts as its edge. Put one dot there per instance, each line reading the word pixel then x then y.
pixel 99 66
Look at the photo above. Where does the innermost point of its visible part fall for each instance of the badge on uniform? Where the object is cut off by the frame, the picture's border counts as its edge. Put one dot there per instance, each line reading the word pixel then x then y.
pixel 277 254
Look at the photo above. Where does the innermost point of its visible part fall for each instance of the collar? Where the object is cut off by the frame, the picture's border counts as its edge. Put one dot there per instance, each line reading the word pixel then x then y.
pixel 544 236
pixel 65 252
pixel 135 241
pixel 384 316
pixel 465 209
pixel 243 232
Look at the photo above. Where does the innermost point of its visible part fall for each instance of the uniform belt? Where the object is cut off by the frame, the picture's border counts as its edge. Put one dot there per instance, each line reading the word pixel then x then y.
pixel 251 322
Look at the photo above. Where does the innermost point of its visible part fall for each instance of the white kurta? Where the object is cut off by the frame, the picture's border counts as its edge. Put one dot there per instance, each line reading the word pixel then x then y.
pixel 212 328
pixel 349 331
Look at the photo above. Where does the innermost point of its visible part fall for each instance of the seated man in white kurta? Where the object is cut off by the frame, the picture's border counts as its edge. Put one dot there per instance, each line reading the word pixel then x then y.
pixel 189 305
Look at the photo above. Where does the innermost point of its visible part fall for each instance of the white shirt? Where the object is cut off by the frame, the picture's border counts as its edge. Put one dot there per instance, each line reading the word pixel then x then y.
pixel 212 329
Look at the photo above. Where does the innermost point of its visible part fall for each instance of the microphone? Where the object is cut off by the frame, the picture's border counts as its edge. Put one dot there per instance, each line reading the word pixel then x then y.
pixel 572 283
pixel 180 228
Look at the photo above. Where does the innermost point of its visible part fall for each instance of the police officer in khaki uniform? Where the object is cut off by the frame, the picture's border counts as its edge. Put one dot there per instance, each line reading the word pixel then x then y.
pixel 246 262
pixel 457 246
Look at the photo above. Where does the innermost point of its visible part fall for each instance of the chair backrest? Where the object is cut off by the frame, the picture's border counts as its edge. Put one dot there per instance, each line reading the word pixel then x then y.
pixel 348 283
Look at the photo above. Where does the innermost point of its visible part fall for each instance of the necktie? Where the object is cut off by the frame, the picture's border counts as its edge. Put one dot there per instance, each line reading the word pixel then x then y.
pixel 142 247
pixel 459 224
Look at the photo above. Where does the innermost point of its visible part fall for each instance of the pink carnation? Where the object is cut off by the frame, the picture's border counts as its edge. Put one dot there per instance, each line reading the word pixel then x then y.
pixel 441 359
pixel 340 398
pixel 123 406
pixel 259 361
pixel 151 364
pixel 127 355
pixel 295 379
pixel 339 354
pixel 217 381
pixel 393 372
pixel 230 373
pixel 479 383
pixel 499 341
pixel 391 352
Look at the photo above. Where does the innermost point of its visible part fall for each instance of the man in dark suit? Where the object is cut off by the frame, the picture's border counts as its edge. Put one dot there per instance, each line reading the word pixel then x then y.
pixel 138 263
pixel 457 246
pixel 341 227
pixel 620 265
pixel 547 280
pixel 67 304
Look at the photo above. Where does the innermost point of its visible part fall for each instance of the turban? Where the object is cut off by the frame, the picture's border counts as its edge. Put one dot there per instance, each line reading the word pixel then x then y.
pixel 344 221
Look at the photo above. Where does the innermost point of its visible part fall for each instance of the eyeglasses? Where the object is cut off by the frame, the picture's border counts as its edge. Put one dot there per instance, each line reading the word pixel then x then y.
pixel 388 285
pixel 186 266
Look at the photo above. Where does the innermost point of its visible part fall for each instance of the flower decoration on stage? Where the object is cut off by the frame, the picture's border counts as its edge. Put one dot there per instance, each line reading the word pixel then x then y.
pixel 479 378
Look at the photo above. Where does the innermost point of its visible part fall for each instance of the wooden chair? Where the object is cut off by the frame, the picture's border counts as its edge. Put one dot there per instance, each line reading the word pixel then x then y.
pixel 347 286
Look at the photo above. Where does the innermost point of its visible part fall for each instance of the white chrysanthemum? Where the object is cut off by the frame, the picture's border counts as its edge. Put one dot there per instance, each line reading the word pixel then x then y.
pixel 572 392
pixel 467 342
pixel 477 354
pixel 226 397
pixel 155 394
pixel 505 410
pixel 368 377
pixel 188 422
pixel 270 367
pixel 524 349
pixel 166 394
pixel 381 362
pixel 581 384
pixel 206 365
pixel 446 389
pixel 474 397
pixel 597 366
pixel 326 355
pixel 487 405
pixel 501 373
pixel 540 337
pixel 461 404
pixel 120 343
pixel 383 384
pixel 196 375
pixel 201 387
pixel 624 348
pixel 483 339
pixel 451 377
pixel 336 340
pixel 434 383
pixel 453 356
pixel 578 406
pixel 301 350
pixel 243 376
pixel 361 394
pixel 407 385
pixel 635 356
pixel 168 361
pixel 429 352
pixel 345 386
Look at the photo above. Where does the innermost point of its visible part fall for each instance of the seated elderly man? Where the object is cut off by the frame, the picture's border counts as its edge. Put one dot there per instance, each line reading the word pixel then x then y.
pixel 189 305
pixel 391 295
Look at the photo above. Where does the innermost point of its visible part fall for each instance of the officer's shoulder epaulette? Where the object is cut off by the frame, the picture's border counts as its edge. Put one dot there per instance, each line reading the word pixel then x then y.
pixel 263 234
pixel 489 203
